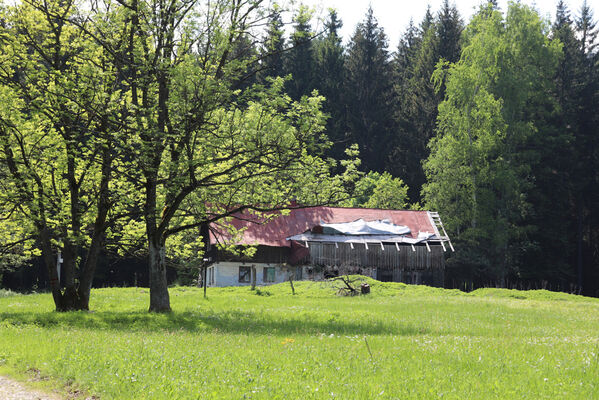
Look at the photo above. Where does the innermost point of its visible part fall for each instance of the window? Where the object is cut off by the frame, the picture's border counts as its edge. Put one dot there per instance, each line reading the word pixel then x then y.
pixel 210 276
pixel 269 274
pixel 245 274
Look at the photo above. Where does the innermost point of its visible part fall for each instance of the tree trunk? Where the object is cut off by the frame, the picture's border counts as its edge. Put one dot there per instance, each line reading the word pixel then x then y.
pixel 87 273
pixel 159 297
pixel 89 268
pixel 51 267
pixel 70 297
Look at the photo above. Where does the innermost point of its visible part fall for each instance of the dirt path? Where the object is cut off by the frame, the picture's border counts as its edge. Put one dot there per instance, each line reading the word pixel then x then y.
pixel 13 390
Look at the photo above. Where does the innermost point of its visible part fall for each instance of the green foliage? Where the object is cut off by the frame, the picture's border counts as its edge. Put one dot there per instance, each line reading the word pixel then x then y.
pixel 330 78
pixel 375 190
pixel 369 93
pixel 489 343
pixel 300 62
pixel 480 165
pixel 419 52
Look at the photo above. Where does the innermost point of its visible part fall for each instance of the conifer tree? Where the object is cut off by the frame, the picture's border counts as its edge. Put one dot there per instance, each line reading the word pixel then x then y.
pixel 587 153
pixel 449 29
pixel 439 38
pixel 370 93
pixel 330 74
pixel 273 46
pixel 300 62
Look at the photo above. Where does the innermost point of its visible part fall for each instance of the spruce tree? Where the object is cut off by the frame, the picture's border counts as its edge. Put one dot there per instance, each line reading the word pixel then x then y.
pixel 587 151
pixel 300 62
pixel 273 46
pixel 330 74
pixel 417 58
pixel 369 93
pixel 449 30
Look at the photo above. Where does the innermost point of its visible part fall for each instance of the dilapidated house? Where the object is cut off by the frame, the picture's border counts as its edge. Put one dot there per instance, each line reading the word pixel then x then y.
pixel 319 242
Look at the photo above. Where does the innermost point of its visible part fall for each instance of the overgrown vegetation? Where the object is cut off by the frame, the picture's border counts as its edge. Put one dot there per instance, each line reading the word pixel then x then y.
pixel 425 343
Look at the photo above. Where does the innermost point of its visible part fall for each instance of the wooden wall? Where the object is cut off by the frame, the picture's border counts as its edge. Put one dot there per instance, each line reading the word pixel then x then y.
pixel 327 254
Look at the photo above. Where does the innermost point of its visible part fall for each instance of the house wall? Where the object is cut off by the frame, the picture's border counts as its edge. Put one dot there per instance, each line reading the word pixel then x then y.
pixel 226 273
pixel 386 257
pixel 325 260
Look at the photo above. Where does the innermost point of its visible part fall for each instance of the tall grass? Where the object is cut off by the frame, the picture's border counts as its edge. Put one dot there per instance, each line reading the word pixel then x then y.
pixel 399 342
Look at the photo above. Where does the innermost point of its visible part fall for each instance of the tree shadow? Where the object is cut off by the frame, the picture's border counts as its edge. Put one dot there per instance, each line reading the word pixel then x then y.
pixel 235 322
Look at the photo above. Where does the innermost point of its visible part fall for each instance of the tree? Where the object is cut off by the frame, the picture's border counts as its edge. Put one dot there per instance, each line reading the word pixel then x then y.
pixel 449 30
pixel 479 170
pixel 59 137
pixel 330 75
pixel 375 190
pixel 586 27
pixel 203 155
pixel 418 99
pixel 273 47
pixel 369 93
pixel 586 145
pixel 300 61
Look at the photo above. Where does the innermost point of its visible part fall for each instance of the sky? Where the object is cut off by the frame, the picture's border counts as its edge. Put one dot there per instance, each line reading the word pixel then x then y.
pixel 394 15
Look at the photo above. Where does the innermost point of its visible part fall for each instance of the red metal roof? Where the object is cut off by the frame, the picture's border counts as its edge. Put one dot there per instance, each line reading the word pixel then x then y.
pixel 275 231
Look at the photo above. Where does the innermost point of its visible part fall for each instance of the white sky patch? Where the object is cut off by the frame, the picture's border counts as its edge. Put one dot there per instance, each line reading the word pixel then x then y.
pixel 394 15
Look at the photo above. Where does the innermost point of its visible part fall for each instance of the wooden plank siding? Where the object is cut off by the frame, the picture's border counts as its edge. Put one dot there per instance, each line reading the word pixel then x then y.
pixel 327 254
pixel 263 254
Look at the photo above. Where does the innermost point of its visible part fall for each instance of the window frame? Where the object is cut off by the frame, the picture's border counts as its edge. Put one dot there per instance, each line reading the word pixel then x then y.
pixel 248 274
pixel 265 274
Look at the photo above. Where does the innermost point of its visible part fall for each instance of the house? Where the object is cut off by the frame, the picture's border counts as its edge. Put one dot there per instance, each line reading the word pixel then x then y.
pixel 320 242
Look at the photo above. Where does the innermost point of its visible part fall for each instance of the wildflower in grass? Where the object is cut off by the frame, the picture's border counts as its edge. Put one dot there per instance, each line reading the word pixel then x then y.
pixel 287 341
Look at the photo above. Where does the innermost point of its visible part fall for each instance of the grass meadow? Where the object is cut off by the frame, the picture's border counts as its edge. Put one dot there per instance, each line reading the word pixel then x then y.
pixel 399 342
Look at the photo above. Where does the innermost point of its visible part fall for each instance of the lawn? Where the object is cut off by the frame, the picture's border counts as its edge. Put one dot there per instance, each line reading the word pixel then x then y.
pixel 399 342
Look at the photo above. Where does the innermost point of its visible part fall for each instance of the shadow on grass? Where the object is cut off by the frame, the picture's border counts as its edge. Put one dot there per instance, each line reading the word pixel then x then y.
pixel 236 322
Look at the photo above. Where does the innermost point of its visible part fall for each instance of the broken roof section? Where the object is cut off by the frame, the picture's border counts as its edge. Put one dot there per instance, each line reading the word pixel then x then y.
pixel 361 227
pixel 360 231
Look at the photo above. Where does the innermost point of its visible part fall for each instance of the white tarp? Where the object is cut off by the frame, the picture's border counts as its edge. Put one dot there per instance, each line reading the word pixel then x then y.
pixel 318 237
pixel 361 231
pixel 361 227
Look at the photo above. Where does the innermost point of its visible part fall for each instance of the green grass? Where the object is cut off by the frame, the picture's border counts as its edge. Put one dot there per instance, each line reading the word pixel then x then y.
pixel 425 343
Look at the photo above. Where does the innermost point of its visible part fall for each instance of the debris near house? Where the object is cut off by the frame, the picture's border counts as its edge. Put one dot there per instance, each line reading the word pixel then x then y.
pixel 365 288
pixel 349 288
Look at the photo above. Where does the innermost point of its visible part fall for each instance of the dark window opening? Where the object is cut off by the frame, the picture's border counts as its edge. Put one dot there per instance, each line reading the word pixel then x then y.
pixel 245 274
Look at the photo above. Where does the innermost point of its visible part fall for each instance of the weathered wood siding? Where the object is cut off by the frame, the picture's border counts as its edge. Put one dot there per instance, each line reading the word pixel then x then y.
pixel 327 254
pixel 264 254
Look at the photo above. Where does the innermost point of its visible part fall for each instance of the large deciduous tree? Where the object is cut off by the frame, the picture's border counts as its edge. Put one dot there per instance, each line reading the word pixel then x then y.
pixel 146 95
pixel 202 153
pixel 482 163
pixel 59 134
